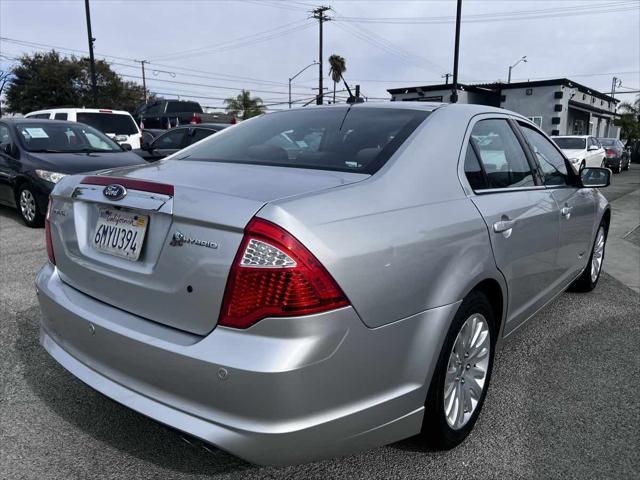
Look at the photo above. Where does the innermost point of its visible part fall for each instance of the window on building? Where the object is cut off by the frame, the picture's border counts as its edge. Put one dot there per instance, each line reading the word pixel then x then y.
pixel 501 155
pixel 536 120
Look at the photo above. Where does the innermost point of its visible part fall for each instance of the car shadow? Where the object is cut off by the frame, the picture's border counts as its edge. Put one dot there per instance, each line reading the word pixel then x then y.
pixel 11 214
pixel 108 421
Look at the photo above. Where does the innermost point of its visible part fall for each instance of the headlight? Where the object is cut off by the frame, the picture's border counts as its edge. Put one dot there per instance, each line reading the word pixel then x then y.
pixel 53 177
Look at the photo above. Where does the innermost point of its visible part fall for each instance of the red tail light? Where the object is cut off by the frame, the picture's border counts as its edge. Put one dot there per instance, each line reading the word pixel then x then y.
pixel 274 275
pixel 196 119
pixel 611 152
pixel 47 235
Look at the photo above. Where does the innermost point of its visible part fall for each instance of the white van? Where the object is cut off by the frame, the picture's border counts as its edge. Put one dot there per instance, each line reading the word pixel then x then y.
pixel 116 124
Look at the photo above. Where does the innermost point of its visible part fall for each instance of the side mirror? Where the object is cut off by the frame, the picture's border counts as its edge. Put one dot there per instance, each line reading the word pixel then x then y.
pixel 595 177
pixel 592 148
pixel 8 149
pixel 126 147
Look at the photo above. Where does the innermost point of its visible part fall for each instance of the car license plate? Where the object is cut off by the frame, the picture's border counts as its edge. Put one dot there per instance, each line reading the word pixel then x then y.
pixel 120 233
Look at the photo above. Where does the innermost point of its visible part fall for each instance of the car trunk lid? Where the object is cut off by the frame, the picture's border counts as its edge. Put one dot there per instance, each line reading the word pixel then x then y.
pixel 195 215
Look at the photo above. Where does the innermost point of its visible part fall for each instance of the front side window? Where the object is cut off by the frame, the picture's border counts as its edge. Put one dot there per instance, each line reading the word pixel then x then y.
pixel 552 163
pixel 200 134
pixel 501 155
pixel 352 139
pixel 5 137
pixel 170 140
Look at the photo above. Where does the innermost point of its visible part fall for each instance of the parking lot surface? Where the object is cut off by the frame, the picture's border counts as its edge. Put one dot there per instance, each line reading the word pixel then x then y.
pixel 563 402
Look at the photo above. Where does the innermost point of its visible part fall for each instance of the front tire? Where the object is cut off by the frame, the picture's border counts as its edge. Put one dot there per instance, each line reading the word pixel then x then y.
pixel 588 280
pixel 461 378
pixel 28 207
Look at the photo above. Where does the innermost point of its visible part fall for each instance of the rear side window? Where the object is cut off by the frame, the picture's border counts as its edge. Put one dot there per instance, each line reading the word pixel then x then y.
pixel 183 107
pixel 114 123
pixel 41 115
pixel 501 154
pixel 353 139
pixel 170 140
pixel 552 163
pixel 199 134
pixel 60 116
pixel 473 170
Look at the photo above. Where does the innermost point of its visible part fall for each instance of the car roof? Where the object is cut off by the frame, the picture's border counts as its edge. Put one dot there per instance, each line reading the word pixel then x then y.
pixel 571 136
pixel 73 109
pixel 26 120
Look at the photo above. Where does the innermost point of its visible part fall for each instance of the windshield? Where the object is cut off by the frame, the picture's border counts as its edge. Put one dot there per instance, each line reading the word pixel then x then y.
pixel 569 143
pixel 58 137
pixel 114 123
pixel 344 139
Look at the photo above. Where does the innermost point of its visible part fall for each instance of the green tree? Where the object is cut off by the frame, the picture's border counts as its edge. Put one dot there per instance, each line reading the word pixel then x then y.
pixel 46 80
pixel 244 106
pixel 629 123
pixel 338 65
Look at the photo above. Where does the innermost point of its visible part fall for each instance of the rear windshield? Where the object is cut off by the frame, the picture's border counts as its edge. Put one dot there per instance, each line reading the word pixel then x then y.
pixel 343 139
pixel 59 137
pixel 608 142
pixel 183 107
pixel 567 143
pixel 115 123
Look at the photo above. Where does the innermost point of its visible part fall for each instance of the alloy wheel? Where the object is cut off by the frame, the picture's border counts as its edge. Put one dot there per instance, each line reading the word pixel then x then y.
pixel 467 370
pixel 27 205
pixel 598 254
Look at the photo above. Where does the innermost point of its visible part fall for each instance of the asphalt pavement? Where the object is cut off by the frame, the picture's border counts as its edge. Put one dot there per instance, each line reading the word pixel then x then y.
pixel 563 403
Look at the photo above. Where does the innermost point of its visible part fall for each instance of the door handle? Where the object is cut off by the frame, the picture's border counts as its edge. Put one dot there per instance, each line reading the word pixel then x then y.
pixel 505 227
pixel 566 212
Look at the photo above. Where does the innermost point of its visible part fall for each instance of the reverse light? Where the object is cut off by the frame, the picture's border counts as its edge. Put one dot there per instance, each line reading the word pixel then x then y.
pixel 47 234
pixel 274 275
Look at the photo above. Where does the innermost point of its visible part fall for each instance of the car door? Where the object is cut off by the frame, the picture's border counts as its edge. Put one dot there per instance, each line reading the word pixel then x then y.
pixel 520 213
pixel 167 144
pixel 7 166
pixel 576 205
pixel 593 153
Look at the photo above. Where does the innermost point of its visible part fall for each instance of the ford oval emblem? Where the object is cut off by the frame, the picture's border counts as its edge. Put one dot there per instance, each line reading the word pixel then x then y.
pixel 114 192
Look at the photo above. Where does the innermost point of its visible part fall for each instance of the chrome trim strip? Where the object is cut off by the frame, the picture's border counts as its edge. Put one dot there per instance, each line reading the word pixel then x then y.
pixel 509 189
pixel 152 202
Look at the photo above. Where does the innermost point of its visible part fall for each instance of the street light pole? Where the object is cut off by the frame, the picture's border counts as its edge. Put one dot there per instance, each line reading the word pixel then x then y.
pixel 291 79
pixel 94 87
pixel 511 67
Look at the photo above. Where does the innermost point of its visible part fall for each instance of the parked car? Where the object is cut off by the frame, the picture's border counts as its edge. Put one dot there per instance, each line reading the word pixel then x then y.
pixel 291 305
pixel 172 113
pixel 582 151
pixel 116 124
pixel 617 156
pixel 171 141
pixel 36 154
pixel 148 134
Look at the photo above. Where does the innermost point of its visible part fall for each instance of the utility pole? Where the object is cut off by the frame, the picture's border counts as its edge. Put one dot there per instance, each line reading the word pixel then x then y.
pixel 446 78
pixel 615 83
pixel 319 14
pixel 94 87
pixel 456 53
pixel 144 78
pixel 511 67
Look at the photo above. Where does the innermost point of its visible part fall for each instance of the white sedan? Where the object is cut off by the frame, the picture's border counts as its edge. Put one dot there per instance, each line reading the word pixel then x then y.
pixel 582 151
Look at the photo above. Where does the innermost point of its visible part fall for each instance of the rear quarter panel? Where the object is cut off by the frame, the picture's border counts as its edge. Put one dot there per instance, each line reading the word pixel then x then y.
pixel 407 239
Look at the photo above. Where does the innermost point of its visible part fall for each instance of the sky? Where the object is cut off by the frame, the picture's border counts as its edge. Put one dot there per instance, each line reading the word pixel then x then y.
pixel 208 50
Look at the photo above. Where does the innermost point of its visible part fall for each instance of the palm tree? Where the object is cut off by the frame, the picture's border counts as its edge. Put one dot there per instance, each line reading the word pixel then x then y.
pixel 338 67
pixel 244 106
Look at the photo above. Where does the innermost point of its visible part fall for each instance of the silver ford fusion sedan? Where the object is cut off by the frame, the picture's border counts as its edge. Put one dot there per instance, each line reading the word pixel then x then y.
pixel 315 282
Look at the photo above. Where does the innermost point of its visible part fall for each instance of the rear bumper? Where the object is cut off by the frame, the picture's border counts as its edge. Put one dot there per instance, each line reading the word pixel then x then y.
pixel 284 391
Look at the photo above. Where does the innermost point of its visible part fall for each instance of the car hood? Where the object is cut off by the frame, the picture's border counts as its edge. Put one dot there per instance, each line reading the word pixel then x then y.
pixel 71 163
pixel 574 153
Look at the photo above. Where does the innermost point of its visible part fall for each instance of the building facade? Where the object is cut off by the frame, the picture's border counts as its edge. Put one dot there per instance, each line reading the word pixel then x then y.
pixel 559 106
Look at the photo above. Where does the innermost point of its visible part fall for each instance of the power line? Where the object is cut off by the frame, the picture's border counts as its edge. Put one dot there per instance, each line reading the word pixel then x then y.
pixel 501 16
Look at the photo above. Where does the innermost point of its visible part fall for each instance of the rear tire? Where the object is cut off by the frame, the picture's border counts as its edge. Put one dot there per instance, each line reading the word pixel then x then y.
pixel 458 389
pixel 28 207
pixel 588 280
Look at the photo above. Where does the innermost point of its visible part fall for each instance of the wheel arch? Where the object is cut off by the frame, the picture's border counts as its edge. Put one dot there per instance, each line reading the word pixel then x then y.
pixel 496 293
